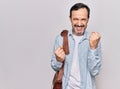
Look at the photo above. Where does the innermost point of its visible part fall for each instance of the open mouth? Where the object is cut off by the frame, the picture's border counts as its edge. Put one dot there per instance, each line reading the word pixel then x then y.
pixel 79 27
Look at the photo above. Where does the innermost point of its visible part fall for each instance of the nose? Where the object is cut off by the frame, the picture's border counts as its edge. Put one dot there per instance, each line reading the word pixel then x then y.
pixel 79 22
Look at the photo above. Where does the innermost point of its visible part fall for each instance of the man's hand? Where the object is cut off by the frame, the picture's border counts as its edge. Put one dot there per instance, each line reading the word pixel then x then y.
pixel 94 39
pixel 60 54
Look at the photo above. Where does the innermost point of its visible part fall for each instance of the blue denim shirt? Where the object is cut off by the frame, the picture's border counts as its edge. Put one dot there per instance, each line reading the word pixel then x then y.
pixel 89 61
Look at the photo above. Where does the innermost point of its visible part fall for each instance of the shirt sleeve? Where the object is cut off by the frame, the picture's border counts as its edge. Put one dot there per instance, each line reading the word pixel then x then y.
pixel 56 65
pixel 94 60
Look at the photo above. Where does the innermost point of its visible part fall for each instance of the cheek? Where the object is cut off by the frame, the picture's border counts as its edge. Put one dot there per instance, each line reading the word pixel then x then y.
pixel 73 22
pixel 86 22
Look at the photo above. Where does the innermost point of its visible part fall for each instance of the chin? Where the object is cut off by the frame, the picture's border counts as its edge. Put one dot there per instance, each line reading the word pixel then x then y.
pixel 80 33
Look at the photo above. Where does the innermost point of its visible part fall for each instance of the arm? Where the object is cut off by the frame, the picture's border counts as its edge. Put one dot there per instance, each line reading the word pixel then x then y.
pixel 94 60
pixel 58 54
pixel 94 54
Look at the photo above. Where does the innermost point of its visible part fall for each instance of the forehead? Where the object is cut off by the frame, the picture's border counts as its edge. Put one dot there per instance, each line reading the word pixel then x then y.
pixel 82 12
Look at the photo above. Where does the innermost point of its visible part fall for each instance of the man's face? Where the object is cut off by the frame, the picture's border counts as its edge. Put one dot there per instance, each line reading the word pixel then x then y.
pixel 79 20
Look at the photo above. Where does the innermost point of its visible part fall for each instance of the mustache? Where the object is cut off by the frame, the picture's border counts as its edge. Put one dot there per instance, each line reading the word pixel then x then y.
pixel 79 25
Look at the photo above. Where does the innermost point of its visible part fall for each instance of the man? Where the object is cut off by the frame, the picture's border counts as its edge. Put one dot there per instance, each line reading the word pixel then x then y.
pixel 84 60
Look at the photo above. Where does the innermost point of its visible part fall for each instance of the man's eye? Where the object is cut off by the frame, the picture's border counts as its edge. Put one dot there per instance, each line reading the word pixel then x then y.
pixel 75 19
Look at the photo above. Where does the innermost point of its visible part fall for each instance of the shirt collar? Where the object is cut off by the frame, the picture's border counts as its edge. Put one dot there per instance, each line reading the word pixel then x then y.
pixel 85 36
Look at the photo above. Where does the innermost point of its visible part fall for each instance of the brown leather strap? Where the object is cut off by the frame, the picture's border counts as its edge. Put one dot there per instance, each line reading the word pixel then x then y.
pixel 59 73
pixel 64 33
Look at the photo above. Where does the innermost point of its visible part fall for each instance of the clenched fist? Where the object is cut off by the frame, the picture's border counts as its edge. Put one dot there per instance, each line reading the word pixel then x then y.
pixel 60 54
pixel 94 39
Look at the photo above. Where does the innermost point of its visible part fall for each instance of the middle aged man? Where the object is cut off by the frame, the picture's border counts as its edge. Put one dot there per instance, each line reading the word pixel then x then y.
pixel 84 61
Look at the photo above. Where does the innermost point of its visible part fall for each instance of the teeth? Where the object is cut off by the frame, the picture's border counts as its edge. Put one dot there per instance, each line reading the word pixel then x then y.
pixel 79 28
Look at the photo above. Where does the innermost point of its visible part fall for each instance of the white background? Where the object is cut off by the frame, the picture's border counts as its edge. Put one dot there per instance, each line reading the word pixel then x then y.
pixel 27 33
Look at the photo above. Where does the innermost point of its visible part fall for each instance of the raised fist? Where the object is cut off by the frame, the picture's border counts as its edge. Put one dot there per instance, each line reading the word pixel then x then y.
pixel 94 39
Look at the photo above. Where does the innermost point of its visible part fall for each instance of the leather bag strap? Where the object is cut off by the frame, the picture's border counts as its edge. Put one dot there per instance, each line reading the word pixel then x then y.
pixel 64 34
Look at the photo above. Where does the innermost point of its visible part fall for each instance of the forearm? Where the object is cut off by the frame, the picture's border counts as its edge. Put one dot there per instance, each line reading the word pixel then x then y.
pixel 55 64
pixel 94 61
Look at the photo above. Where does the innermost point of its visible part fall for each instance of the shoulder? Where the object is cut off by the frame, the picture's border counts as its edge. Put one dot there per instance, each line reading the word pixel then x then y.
pixel 58 39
